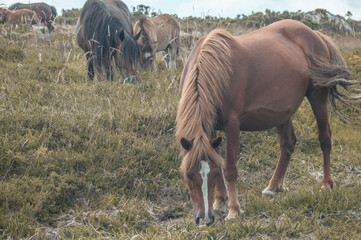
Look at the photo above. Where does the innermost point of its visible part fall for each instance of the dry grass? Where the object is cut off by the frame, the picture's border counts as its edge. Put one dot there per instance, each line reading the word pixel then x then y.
pixel 98 160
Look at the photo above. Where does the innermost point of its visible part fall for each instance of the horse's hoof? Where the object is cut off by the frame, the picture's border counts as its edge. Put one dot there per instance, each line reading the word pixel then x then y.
pixel 327 187
pixel 268 193
pixel 230 217
pixel 232 214
pixel 327 184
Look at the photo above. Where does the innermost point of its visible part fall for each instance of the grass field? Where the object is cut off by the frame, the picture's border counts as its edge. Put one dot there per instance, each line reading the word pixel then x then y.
pixel 84 159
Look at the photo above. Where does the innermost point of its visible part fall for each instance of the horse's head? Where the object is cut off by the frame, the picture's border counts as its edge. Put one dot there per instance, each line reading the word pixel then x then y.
pixel 127 54
pixel 201 172
pixel 146 35
pixel 3 14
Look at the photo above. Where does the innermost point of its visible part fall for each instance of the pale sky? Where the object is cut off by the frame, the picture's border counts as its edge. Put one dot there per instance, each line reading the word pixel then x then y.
pixel 223 8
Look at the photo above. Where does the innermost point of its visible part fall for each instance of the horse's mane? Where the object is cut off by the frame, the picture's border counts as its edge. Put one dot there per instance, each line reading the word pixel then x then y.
pixel 102 28
pixel 202 97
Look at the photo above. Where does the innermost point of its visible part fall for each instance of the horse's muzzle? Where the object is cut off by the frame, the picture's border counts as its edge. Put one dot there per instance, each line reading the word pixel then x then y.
pixel 200 219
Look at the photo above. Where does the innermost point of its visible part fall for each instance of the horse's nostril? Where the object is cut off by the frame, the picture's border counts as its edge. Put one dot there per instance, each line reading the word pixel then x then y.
pixel 198 219
pixel 211 218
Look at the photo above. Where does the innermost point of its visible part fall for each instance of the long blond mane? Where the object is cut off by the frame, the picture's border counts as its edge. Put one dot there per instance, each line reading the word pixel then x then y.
pixel 202 96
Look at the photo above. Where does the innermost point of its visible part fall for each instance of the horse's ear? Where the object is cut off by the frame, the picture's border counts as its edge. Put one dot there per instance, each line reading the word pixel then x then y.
pixel 215 142
pixel 122 35
pixel 187 145
pixel 136 37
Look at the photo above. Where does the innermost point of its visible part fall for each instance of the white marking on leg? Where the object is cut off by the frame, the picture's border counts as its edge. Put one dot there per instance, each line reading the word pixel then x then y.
pixel 204 174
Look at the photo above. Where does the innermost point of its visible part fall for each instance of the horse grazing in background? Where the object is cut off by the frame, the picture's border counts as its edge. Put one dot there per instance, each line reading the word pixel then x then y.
pixel 24 16
pixel 45 12
pixel 252 82
pixel 160 33
pixel 104 31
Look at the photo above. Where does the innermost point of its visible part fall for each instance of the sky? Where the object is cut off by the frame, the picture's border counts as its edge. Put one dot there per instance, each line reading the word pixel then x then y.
pixel 223 8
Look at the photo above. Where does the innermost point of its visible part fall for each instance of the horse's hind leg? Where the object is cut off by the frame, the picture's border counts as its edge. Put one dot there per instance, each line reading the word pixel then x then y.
pixel 318 100
pixel 287 141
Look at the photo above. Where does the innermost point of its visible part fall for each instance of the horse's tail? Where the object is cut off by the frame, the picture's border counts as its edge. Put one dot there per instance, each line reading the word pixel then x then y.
pixel 204 89
pixel 332 72
pixel 53 13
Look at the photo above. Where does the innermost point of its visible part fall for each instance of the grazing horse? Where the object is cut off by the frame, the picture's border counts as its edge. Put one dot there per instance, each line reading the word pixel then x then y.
pixel 45 12
pixel 104 31
pixel 160 33
pixel 252 82
pixel 24 16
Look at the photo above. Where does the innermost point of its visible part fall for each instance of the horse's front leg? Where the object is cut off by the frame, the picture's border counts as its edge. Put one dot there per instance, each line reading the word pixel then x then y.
pixel 90 70
pixel 153 66
pixel 230 167
pixel 221 194
pixel 172 58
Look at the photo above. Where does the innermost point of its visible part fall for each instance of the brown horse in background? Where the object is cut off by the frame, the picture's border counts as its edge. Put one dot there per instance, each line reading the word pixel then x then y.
pixel 45 12
pixel 24 16
pixel 252 82
pixel 160 33
pixel 104 31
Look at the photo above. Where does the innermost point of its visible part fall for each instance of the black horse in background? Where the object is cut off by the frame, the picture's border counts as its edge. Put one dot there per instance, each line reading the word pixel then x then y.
pixel 45 12
pixel 104 31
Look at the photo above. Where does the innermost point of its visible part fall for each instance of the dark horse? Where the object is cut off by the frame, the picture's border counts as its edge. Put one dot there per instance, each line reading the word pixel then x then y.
pixel 252 82
pixel 45 12
pixel 105 31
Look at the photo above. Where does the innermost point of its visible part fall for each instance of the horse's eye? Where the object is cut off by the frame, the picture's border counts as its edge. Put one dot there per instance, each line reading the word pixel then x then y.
pixel 189 175
pixel 147 49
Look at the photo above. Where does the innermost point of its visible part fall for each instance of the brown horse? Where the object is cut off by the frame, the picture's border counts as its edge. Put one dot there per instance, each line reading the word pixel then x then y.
pixel 252 82
pixel 104 31
pixel 160 33
pixel 45 12
pixel 24 16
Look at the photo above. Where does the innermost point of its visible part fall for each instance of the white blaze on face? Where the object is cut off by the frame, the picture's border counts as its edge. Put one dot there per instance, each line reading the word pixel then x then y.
pixel 147 54
pixel 204 174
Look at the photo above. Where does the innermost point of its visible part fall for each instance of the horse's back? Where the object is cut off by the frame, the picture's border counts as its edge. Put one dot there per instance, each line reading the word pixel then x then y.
pixel 168 30
pixel 269 79
pixel 299 34
pixel 122 13
pixel 43 10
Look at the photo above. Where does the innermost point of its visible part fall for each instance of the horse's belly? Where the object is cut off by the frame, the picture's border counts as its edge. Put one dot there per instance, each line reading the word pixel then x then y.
pixel 265 118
